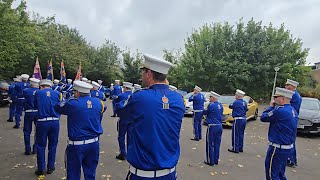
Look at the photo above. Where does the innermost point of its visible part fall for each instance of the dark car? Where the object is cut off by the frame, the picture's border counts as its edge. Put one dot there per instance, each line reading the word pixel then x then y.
pixel 4 96
pixel 106 91
pixel 309 116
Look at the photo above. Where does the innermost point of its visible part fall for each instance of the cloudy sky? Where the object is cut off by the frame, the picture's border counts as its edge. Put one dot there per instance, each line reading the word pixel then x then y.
pixel 152 25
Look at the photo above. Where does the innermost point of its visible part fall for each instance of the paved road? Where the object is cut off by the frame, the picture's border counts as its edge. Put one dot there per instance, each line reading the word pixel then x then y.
pixel 248 165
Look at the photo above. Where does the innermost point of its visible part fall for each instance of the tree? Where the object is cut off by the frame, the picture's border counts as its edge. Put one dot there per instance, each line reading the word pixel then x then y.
pixel 105 64
pixel 16 39
pixel 222 58
pixel 131 66
pixel 174 75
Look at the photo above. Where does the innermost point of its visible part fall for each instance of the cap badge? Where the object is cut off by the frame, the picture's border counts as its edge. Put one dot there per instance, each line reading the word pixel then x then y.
pixel 89 104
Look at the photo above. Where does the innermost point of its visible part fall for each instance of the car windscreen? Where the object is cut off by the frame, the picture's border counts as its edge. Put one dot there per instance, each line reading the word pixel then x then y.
pixel 226 99
pixel 310 104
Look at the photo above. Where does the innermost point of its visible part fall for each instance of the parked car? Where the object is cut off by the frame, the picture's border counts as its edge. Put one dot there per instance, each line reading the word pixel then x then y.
pixel 4 96
pixel 107 91
pixel 309 116
pixel 226 100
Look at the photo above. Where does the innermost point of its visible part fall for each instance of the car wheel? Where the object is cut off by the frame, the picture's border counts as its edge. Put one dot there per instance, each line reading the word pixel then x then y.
pixel 256 114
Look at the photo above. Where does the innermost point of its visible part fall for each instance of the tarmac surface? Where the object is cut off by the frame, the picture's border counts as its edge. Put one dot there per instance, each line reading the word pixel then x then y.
pixel 247 165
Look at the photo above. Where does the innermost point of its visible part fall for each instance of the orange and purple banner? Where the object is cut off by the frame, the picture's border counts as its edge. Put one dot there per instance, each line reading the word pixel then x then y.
pixel 36 70
pixel 63 73
pixel 79 74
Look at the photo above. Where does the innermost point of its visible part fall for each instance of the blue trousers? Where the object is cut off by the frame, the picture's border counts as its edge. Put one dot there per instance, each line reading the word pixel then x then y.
pixel 47 130
pixel 171 176
pixel 18 113
pixel 113 107
pixel 275 163
pixel 213 143
pixel 12 110
pixel 29 119
pixel 85 156
pixel 197 118
pixel 293 155
pixel 122 130
pixel 238 128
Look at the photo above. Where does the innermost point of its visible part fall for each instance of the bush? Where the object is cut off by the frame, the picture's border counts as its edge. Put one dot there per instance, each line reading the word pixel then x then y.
pixel 310 91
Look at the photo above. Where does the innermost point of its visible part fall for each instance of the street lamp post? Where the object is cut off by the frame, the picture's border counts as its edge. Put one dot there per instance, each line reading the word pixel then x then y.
pixel 276 69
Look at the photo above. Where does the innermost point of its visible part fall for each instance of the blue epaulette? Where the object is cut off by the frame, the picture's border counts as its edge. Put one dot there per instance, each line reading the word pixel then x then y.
pixel 277 107
pixel 142 89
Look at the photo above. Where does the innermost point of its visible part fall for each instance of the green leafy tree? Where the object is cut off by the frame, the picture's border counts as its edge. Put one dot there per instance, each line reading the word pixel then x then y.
pixel 222 58
pixel 131 66
pixel 105 64
pixel 16 39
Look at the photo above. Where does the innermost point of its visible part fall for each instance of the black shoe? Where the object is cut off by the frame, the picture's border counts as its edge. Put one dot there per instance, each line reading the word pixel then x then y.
pixel 241 150
pixel 208 163
pixel 37 172
pixel 231 150
pixel 194 139
pixel 50 170
pixel 10 120
pixel 113 116
pixel 121 157
pixel 34 152
pixel 16 126
pixel 290 164
pixel 27 153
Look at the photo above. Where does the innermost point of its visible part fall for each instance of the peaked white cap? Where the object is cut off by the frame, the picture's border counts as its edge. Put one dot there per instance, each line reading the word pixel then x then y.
pixel 34 82
pixel 25 76
pixel 16 79
pixel 82 87
pixel 127 84
pixel 172 88
pixel 137 86
pixel 117 80
pixel 214 94
pixel 292 82
pixel 99 81
pixel 69 81
pixel 156 64
pixel 46 82
pixel 84 79
pixel 56 81
pixel 240 92
pixel 283 92
pixel 111 84
pixel 198 88
pixel 95 84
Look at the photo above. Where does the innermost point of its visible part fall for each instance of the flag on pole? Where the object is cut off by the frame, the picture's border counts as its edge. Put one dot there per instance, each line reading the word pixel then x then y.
pixel 79 74
pixel 63 73
pixel 50 71
pixel 36 70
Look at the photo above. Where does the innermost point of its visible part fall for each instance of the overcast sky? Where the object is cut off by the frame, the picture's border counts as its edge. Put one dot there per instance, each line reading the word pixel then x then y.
pixel 152 25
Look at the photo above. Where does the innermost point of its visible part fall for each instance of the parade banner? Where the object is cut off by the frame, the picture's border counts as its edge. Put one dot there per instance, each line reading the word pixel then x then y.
pixel 36 70
pixel 63 73
pixel 79 74
pixel 50 71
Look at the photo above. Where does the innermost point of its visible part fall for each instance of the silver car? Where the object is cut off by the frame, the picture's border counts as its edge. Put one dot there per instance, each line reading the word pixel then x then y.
pixel 309 117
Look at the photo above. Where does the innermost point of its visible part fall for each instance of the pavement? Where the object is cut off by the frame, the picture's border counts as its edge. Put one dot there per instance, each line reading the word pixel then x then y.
pixel 247 165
